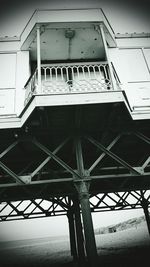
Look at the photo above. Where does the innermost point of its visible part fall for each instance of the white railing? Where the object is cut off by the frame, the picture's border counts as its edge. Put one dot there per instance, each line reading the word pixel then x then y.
pixel 31 87
pixel 70 78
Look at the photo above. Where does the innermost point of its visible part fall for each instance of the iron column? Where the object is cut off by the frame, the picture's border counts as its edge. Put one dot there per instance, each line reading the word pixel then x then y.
pixel 144 204
pixel 90 242
pixel 79 232
pixel 72 234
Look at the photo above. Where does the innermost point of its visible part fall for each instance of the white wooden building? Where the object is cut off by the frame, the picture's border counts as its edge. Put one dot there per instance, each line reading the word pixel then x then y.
pixel 62 57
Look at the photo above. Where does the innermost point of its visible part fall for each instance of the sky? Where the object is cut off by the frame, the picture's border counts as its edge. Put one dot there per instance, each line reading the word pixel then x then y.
pixel 124 16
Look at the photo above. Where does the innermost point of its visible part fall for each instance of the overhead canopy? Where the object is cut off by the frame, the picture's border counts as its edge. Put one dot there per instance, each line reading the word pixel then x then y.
pixel 68 35
pixel 69 41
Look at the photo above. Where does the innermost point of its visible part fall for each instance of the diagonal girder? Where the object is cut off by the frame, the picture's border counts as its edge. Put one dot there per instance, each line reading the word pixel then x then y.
pixel 79 156
pixel 57 159
pixel 123 198
pixel 100 200
pixel 5 168
pixel 145 164
pixel 2 154
pixel 55 206
pixel 104 154
pixel 112 155
pixel 11 173
pixel 38 205
pixel 143 137
pixel 48 158
pixel 146 140
pixel 60 202
pixel 132 200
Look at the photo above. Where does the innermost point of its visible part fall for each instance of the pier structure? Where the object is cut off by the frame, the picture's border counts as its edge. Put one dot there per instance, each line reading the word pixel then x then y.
pixel 74 123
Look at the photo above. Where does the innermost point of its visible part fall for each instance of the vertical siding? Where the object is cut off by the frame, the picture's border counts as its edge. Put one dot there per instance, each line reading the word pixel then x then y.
pixel 7 83
pixel 22 75
pixel 7 71
pixel 132 66
pixel 146 52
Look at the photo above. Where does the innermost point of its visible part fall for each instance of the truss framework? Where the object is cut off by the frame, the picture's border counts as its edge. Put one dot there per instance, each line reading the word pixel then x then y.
pixel 59 206
pixel 92 167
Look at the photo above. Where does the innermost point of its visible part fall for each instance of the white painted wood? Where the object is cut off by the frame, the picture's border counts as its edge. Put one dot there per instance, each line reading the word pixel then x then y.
pixel 147 56
pixel 138 94
pixel 69 15
pixel 78 99
pixel 134 75
pixel 130 65
pixel 133 42
pixel 22 75
pixel 7 101
pixel 64 16
pixel 7 71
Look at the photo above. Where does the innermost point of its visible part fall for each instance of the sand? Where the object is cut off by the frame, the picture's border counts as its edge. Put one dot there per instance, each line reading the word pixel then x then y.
pixel 126 248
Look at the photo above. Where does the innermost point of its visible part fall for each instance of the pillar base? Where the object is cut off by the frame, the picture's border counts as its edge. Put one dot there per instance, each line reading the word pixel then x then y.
pixel 90 243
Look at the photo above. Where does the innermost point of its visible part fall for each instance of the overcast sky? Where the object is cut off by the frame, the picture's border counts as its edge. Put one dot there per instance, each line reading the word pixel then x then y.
pixel 124 16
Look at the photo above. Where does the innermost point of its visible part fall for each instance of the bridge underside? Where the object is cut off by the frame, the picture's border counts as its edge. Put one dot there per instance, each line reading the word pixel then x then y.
pixel 59 147
pixel 68 154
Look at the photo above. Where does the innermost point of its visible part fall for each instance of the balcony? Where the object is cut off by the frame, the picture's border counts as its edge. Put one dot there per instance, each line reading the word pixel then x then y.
pixel 78 78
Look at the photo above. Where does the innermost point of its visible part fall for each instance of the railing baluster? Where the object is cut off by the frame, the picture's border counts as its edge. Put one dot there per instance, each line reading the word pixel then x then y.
pixel 61 71
pixel 45 76
pixel 79 77
pixel 50 73
pixel 56 74
pixel 99 70
pixel 67 74
pixel 105 72
pixel 72 73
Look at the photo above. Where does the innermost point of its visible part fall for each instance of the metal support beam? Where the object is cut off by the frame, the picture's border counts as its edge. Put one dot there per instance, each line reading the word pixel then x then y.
pixel 144 204
pixel 79 232
pixel 79 156
pixel 2 154
pixel 103 154
pixel 11 174
pixel 57 159
pixel 72 235
pixel 113 156
pixel 90 243
pixel 48 158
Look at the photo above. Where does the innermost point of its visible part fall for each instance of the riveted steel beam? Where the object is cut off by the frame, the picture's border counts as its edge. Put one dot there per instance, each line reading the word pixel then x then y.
pixel 112 155
pixel 48 158
pixel 2 154
pixel 143 137
pixel 79 156
pixel 12 174
pixel 90 243
pixel 57 159
pixel 97 161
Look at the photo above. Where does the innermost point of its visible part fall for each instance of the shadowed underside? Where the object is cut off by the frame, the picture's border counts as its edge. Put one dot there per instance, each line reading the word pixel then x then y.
pixel 59 147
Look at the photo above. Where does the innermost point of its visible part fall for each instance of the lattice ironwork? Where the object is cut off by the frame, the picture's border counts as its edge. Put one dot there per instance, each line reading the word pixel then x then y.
pixel 108 163
pixel 119 201
pixel 58 206
pixel 34 208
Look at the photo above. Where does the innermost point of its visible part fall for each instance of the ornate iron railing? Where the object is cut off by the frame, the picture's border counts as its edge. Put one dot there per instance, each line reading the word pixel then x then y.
pixel 70 78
